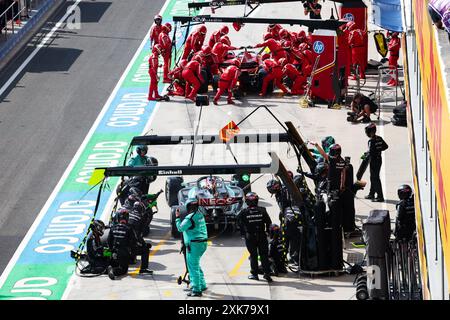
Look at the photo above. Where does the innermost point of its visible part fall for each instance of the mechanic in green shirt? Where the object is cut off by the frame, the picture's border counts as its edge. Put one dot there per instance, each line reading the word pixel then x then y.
pixel 195 236
pixel 139 160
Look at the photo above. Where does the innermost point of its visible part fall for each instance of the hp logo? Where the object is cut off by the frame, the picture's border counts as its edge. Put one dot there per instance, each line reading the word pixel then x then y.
pixel 318 47
pixel 349 17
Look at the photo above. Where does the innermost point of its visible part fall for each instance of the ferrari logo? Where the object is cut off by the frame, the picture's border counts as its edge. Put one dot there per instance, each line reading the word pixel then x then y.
pixel 229 131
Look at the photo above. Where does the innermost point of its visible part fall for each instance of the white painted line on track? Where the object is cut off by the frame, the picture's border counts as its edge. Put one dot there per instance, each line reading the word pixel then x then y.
pixel 109 204
pixel 80 150
pixel 47 204
pixel 39 47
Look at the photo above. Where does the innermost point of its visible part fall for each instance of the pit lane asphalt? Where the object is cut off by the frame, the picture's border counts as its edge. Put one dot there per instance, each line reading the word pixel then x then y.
pixel 47 112
pixel 225 262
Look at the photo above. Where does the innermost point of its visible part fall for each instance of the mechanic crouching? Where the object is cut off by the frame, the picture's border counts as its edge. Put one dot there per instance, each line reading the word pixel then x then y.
pixel 98 253
pixel 122 241
pixel 254 222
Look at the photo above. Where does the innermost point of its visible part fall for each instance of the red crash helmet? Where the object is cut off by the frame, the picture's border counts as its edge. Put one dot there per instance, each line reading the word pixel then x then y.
pixel 225 40
pixel 202 29
pixel 236 62
pixel 287 44
pixel 289 67
pixel 265 56
pixel 273 27
pixel 224 30
pixel 351 25
pixel 157 19
pixel 283 34
pixel 183 63
pixel 237 26
pixel 168 26
pixel 268 36
pixel 303 46
pixel 282 62
pixel 206 50
pixel 302 35
pixel 197 58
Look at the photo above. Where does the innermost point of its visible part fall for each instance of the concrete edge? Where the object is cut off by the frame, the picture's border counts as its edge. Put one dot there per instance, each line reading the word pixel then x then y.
pixel 15 52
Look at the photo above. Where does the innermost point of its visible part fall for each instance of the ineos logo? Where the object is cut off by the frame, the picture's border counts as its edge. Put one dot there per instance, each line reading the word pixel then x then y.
pixel 318 47
pixel 349 17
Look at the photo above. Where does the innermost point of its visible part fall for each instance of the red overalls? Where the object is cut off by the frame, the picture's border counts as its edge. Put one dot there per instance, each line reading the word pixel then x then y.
pixel 154 34
pixel 275 73
pixel 166 44
pixel 227 81
pixel 356 43
pixel 297 78
pixel 192 75
pixel 276 50
pixel 394 51
pixel 153 72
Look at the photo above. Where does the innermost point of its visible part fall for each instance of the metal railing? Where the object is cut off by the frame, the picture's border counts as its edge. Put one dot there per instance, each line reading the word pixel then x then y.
pixel 16 11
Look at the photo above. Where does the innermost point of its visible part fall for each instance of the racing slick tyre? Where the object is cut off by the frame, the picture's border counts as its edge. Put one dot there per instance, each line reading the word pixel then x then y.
pixel 205 84
pixel 215 82
pixel 173 185
pixel 173 227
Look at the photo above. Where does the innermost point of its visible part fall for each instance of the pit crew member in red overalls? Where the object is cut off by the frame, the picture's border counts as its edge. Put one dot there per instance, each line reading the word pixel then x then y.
pixel 155 30
pixel 275 73
pixel 356 43
pixel 166 44
pixel 193 77
pixel 394 51
pixel 228 81
pixel 195 41
pixel 216 35
pixel 153 72
pixel 177 79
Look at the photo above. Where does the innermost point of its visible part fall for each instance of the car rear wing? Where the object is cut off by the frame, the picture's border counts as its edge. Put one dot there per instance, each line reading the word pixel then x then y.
pixel 270 168
pixel 210 139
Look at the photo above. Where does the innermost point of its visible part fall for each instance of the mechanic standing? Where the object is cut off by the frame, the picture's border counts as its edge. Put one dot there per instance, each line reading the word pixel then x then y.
pixel 405 222
pixel 153 64
pixel 356 43
pixel 228 81
pixel 166 45
pixel 376 146
pixel 155 30
pixel 193 77
pixel 394 51
pixel 254 222
pixel 195 236
pixel 313 8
